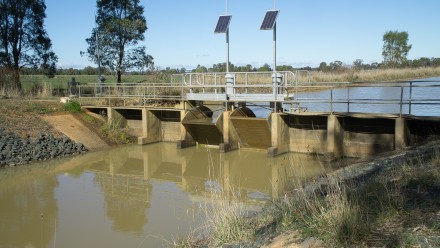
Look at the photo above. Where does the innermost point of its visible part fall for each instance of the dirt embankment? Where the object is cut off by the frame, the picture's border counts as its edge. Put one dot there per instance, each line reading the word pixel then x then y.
pixel 30 118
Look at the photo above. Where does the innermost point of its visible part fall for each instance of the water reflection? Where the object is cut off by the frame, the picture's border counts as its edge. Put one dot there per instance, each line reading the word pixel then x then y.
pixel 28 209
pixel 135 195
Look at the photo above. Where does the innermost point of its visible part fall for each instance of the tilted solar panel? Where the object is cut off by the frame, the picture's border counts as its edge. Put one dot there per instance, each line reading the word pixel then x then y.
pixel 269 20
pixel 223 24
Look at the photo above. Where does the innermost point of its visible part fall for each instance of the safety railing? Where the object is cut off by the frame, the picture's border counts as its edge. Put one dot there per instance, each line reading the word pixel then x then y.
pixel 412 98
pixel 404 98
pixel 246 86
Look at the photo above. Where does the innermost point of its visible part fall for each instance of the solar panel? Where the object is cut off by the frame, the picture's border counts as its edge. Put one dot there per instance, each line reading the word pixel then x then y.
pixel 269 20
pixel 222 24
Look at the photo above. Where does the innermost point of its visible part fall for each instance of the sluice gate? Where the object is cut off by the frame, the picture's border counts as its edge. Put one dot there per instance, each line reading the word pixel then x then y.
pixel 252 132
pixel 201 125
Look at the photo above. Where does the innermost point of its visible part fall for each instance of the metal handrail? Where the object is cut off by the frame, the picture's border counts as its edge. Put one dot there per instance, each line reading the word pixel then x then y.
pixel 287 92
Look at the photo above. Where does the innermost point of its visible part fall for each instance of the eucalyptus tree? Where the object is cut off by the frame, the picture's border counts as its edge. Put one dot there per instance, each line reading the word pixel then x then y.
pixel 23 40
pixel 120 27
pixel 395 48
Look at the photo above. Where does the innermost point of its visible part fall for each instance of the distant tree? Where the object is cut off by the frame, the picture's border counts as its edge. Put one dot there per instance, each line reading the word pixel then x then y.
pixel 421 62
pixel 285 68
pixel 23 39
pixel 358 64
pixel 323 67
pixel 200 69
pixel 265 67
pixel 395 48
pixel 120 27
pixel 337 66
pixel 90 71
pixel 435 61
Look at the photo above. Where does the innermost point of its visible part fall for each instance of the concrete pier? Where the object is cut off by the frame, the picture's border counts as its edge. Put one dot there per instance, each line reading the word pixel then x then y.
pixel 335 135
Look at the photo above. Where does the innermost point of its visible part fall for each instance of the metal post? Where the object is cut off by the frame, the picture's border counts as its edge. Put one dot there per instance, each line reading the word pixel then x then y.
pixel 348 99
pixel 227 41
pixel 401 100
pixel 410 97
pixel 331 100
pixel 274 77
pixel 275 48
pixel 246 81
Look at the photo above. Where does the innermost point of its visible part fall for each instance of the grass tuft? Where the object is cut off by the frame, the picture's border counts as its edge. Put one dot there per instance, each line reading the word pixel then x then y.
pixel 72 106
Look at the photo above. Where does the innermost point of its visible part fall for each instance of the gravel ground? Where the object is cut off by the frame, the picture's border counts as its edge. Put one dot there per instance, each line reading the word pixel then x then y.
pixel 23 117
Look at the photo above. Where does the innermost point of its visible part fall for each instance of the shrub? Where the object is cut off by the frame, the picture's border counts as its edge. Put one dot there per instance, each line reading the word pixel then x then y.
pixel 72 106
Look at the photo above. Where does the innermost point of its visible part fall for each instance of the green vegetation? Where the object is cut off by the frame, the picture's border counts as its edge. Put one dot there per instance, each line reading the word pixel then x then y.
pixel 72 106
pixel 38 108
pixel 23 40
pixel 115 133
pixel 114 42
pixel 395 48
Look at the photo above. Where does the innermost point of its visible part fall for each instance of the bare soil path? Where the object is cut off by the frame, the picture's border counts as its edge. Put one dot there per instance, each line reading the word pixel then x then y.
pixel 76 131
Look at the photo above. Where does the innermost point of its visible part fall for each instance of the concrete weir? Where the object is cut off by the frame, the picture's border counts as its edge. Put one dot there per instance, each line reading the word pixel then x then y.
pixel 336 135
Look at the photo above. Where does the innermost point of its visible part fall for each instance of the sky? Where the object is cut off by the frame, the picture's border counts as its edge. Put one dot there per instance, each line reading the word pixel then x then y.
pixel 181 32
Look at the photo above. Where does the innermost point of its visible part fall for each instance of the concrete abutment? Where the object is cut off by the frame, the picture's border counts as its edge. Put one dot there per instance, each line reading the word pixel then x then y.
pixel 335 135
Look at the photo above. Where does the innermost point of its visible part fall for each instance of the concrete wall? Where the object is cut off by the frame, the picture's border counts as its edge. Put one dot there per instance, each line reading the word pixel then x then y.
pixel 355 135
pixel 307 134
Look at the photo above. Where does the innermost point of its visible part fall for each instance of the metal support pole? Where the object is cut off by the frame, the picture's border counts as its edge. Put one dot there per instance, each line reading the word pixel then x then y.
pixel 410 97
pixel 227 40
pixel 274 76
pixel 331 100
pixel 401 100
pixel 348 99
pixel 227 50
pixel 275 48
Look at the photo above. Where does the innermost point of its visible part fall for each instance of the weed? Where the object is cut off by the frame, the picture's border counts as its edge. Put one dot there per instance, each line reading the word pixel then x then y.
pixel 115 133
pixel 89 118
pixel 37 108
pixel 72 106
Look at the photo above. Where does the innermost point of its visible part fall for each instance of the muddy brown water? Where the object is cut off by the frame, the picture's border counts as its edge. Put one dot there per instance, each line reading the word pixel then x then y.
pixel 135 196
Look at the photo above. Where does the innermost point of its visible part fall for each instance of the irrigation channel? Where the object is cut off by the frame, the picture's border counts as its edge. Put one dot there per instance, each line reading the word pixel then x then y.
pixel 146 196
pixel 135 196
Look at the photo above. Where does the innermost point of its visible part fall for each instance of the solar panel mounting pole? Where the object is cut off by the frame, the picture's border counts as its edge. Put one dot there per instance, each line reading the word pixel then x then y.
pixel 269 23
pixel 227 41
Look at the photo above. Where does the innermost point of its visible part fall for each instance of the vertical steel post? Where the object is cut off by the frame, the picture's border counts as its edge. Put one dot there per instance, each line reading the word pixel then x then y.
pixel 401 100
pixel 331 100
pixel 410 97
pixel 274 76
pixel 227 41
pixel 348 99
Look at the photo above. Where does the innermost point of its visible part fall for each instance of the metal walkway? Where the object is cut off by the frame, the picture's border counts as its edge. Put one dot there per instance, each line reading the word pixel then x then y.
pixel 293 91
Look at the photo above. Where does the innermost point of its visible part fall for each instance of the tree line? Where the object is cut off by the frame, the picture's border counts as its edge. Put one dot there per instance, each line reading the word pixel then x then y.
pixel 333 67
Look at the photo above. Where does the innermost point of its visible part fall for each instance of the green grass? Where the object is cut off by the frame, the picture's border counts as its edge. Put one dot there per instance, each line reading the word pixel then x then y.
pixel 72 106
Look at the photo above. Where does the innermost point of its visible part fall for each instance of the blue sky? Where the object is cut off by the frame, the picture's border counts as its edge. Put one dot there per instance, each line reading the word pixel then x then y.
pixel 181 32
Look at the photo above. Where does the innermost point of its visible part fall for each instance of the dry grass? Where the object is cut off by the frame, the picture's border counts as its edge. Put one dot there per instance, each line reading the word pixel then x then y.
pixel 379 75
pixel 397 207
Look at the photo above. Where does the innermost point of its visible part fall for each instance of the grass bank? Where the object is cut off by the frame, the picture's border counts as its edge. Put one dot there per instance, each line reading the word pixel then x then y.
pixel 379 75
pixel 394 203
pixel 24 118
